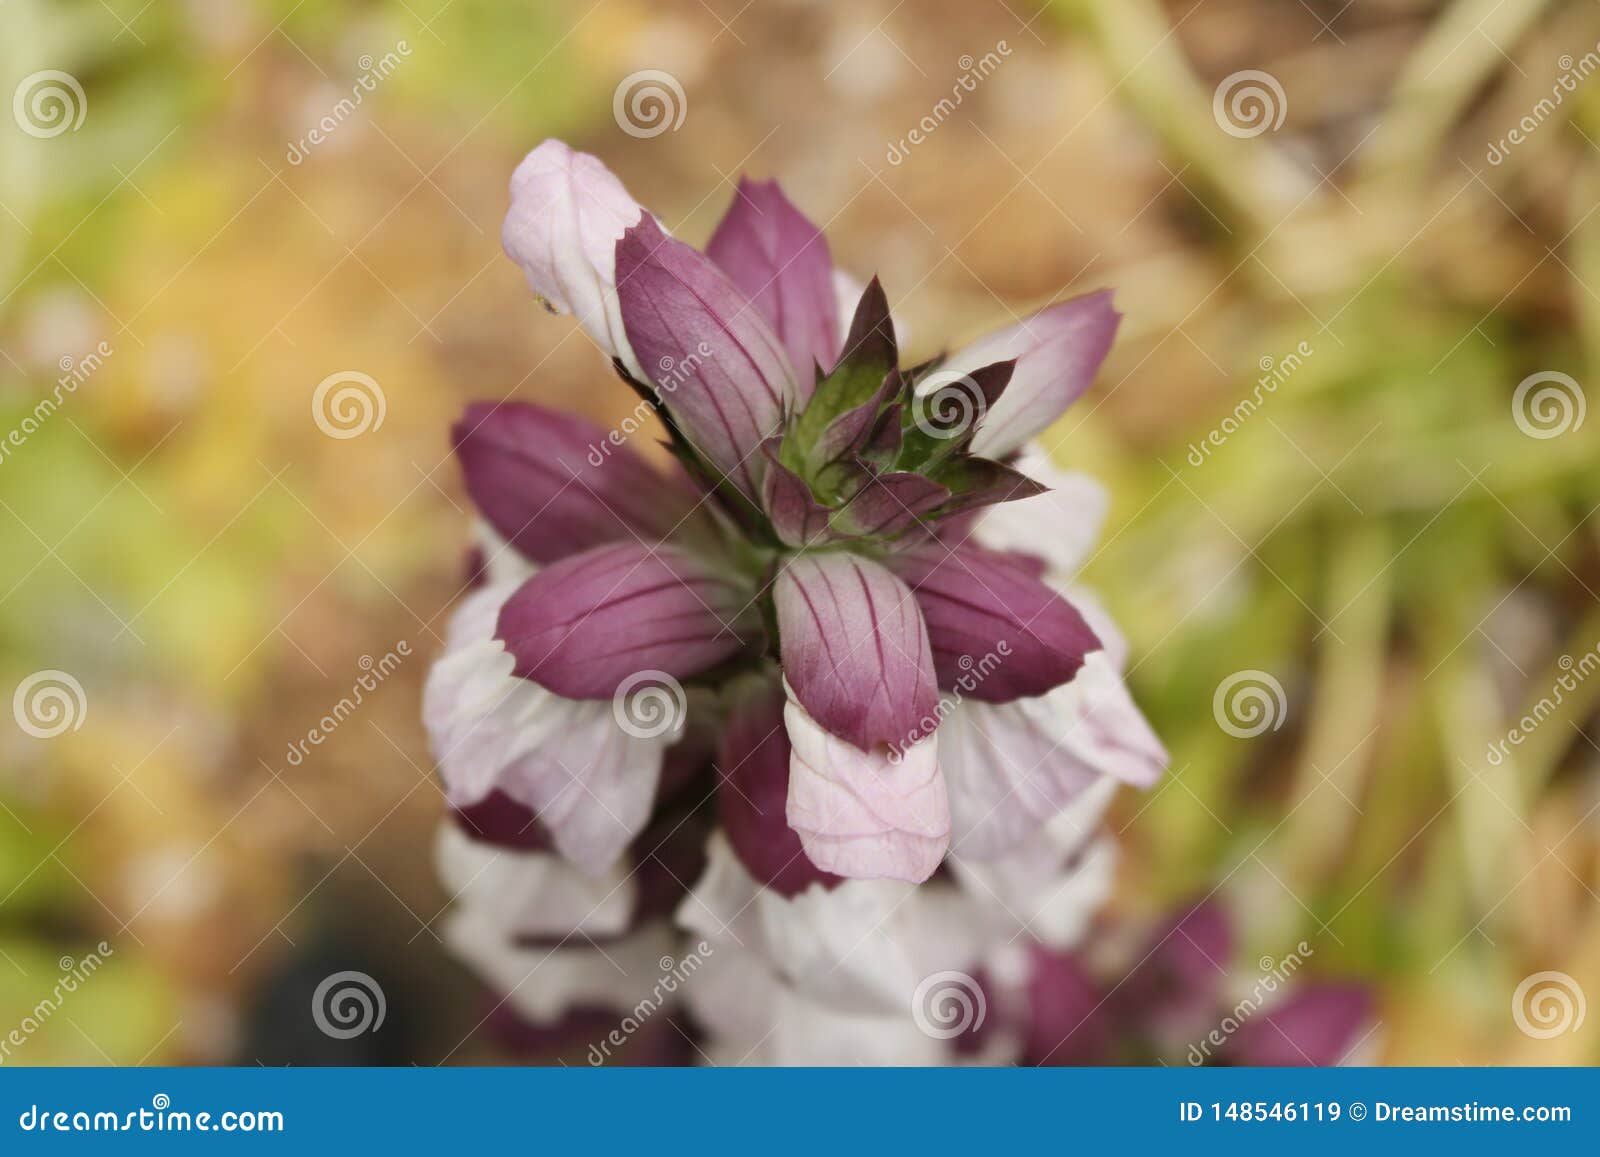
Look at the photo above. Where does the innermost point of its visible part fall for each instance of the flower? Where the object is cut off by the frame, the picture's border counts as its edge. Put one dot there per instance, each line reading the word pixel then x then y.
pixel 1180 1001
pixel 836 578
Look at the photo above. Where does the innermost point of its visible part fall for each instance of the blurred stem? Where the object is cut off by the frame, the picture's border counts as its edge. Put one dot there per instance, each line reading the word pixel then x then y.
pixel 1537 757
pixel 1489 809
pixel 1255 181
pixel 1335 759
pixel 1585 248
pixel 1442 75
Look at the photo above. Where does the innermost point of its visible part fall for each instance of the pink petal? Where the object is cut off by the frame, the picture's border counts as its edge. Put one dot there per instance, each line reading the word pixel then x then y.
pixel 721 372
pixel 753 767
pixel 589 782
pixel 585 625
pixel 861 814
pixel 552 484
pixel 780 260
pixel 567 213
pixel 1012 767
pixel 854 649
pixel 997 632
pixel 1317 1025
pixel 1058 352
pixel 1060 526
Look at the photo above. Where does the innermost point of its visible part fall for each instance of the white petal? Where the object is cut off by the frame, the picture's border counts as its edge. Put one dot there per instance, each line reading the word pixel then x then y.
pixel 1043 887
pixel 1060 526
pixel 862 946
pixel 567 213
pixel 1012 767
pixel 591 783
pixel 543 984
pixel 860 814
pixel 532 893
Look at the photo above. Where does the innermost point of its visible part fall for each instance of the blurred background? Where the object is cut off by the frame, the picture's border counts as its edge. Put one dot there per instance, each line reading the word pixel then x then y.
pixel 1352 541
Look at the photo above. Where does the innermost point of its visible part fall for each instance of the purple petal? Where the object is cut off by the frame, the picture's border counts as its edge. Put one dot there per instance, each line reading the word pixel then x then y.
pixel 500 820
pixel 720 371
pixel 982 609
pixel 753 793
pixel 780 260
pixel 567 212
pixel 586 624
pixel 890 503
pixel 1069 1023
pixel 1179 981
pixel 854 648
pixel 1318 1025
pixel 552 484
pixel 1058 351
pixel 799 519
pixel 849 433
pixel 979 482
